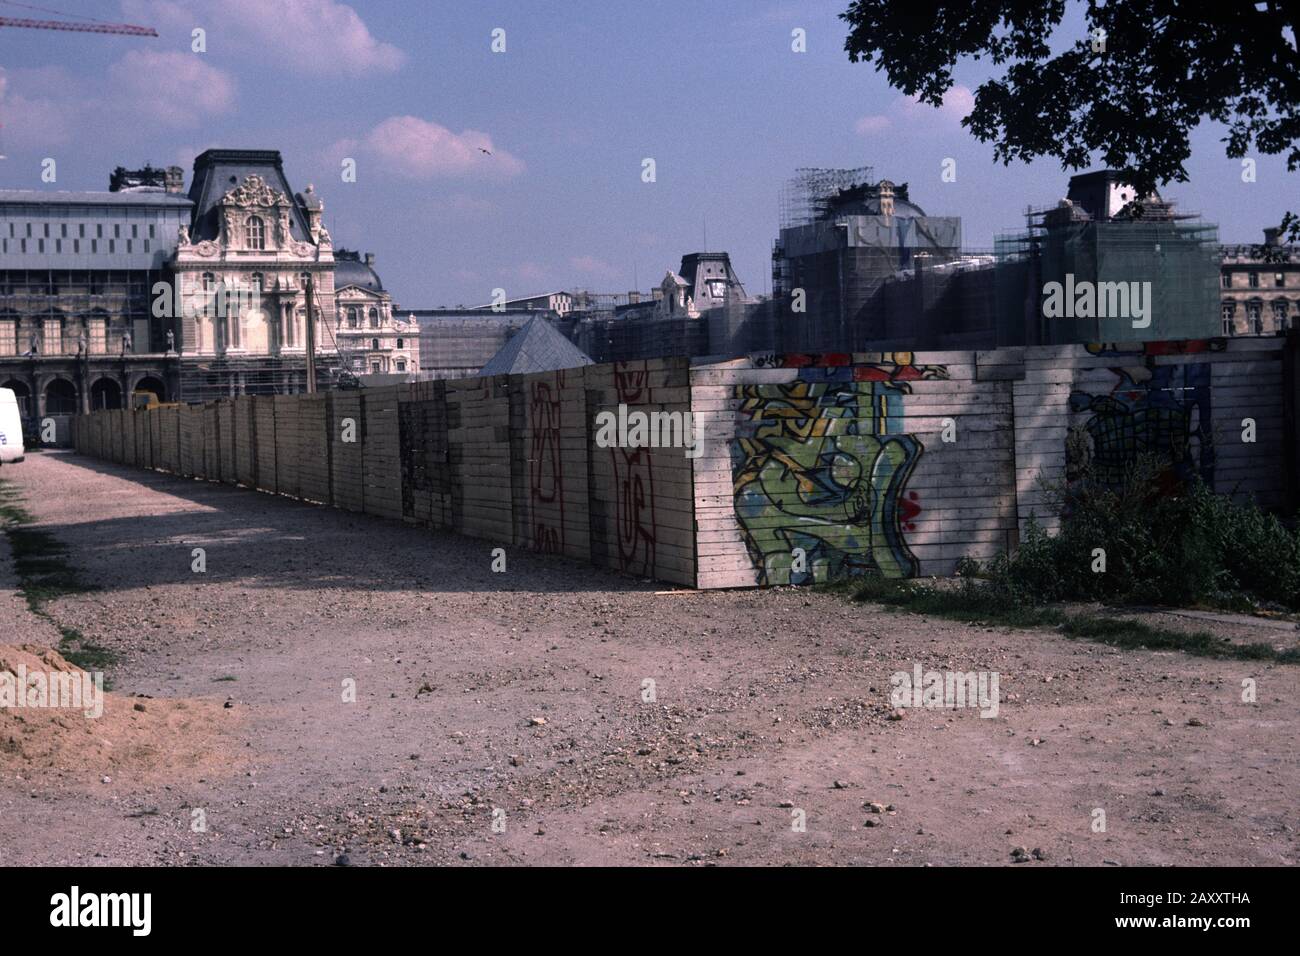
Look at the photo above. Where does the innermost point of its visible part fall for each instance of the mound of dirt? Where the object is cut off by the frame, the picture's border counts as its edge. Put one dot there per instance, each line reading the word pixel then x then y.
pixel 105 734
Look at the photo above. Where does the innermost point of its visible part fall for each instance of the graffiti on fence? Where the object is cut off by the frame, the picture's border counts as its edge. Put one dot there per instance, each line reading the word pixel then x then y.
pixel 822 464
pixel 546 466
pixel 634 483
pixel 1157 410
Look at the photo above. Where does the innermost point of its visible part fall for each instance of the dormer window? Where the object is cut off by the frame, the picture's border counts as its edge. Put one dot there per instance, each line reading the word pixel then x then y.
pixel 256 233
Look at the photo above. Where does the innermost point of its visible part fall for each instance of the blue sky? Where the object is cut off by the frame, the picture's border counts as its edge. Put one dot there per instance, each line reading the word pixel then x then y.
pixel 585 90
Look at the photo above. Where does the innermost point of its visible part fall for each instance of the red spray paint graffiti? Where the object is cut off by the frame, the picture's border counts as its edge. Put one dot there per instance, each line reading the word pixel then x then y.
pixel 547 467
pixel 634 484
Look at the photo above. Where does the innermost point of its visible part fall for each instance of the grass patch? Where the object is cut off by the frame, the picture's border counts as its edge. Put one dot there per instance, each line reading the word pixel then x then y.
pixel 977 603
pixel 45 575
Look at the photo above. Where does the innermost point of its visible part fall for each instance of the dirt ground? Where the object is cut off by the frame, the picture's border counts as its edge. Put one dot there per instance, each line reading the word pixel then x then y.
pixel 499 717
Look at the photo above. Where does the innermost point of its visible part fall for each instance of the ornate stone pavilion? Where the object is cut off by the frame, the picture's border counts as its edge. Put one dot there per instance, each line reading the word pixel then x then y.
pixel 241 271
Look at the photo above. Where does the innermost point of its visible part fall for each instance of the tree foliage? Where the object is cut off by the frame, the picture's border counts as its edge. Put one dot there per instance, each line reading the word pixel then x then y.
pixel 1128 91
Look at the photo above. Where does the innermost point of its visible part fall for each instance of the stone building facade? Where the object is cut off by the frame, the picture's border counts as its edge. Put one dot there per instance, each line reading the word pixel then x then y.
pixel 242 270
pixel 77 273
pixel 369 338
pixel 1259 297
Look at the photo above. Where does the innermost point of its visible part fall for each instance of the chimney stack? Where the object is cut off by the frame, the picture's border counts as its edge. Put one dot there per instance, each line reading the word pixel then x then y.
pixel 175 179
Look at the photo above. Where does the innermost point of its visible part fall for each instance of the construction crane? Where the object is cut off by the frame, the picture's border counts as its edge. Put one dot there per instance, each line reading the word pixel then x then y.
pixel 74 24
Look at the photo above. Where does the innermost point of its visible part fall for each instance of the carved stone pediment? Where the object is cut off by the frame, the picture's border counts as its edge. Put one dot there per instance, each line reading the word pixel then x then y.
pixel 205 247
pixel 254 192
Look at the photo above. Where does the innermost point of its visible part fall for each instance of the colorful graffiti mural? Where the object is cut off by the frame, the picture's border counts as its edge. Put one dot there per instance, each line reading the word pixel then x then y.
pixel 821 463
pixel 1158 410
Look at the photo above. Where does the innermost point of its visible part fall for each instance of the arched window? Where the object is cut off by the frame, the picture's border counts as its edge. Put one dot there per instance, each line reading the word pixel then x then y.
pixel 374 318
pixel 256 233
pixel 401 344
pixel 60 397
pixel 209 293
pixel 374 345
pixel 352 318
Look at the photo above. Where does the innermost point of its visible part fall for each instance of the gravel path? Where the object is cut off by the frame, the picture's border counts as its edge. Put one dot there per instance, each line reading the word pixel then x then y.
pixel 501 719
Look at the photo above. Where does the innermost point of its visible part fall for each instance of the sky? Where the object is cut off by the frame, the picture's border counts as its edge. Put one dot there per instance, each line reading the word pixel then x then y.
pixel 584 92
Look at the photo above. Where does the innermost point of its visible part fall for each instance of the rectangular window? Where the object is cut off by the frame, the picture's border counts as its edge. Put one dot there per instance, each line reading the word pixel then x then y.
pixel 81 231
pixel 1279 280
pixel 94 245
pixel 53 337
pixel 151 235
pixel 1254 280
pixel 112 243
pixel 8 337
pixel 76 245
pixel 117 231
pixel 98 336
pixel 135 232
pixel 1227 279
pixel 99 231
pixel 64 231
pixel 146 245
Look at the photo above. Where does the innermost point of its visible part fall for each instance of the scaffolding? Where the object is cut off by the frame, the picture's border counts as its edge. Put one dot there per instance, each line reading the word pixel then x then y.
pixel 1177 253
pixel 808 196
pixel 59 311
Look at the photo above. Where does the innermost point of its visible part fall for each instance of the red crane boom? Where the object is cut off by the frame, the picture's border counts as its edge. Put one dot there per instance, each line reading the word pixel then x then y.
pixel 126 28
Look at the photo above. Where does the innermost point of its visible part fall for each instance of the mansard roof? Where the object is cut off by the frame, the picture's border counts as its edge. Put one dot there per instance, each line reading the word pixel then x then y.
pixel 217 171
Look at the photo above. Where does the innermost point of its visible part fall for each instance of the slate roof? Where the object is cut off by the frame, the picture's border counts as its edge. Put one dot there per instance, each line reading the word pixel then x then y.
pixel 537 347
pixel 350 270
pixel 133 198
pixel 217 171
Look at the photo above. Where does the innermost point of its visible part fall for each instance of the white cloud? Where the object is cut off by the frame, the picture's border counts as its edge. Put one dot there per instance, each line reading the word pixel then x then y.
pixel 957 102
pixel 530 272
pixel 908 112
pixel 49 107
pixel 322 38
pixel 174 89
pixel 39 107
pixel 420 149
pixel 590 265
pixel 872 124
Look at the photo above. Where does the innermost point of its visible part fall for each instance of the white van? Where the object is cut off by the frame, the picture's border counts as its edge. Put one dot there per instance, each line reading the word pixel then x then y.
pixel 11 428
